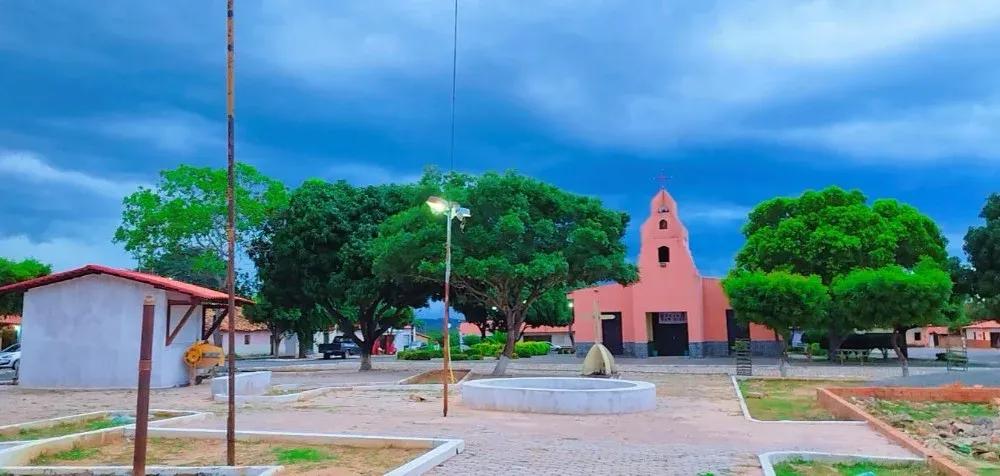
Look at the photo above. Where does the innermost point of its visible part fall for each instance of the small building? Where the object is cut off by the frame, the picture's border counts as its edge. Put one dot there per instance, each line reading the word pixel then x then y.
pixel 554 335
pixel 927 336
pixel 251 338
pixel 673 310
pixel 983 335
pixel 82 327
pixel 13 323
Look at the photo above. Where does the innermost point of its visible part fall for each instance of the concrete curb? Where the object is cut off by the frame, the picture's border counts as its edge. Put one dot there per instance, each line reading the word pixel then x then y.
pixel 746 411
pixel 768 460
pixel 438 451
pixel 286 398
pixel 184 417
pixel 406 380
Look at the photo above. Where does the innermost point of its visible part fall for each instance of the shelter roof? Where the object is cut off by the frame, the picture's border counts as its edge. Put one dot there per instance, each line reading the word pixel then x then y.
pixel 168 284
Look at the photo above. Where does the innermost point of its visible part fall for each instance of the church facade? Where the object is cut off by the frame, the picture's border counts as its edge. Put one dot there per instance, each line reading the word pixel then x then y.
pixel 672 310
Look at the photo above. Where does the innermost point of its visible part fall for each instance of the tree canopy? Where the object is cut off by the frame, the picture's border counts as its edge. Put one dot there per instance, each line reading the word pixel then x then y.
pixel 314 255
pixel 14 272
pixel 982 247
pixel 895 297
pixel 184 217
pixel 525 239
pixel 833 232
pixel 780 300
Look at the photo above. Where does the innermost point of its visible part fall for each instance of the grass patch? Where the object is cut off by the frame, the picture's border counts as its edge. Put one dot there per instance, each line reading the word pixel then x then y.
pixel 275 392
pixel 779 399
pixel 75 454
pixel 799 467
pixel 61 429
pixel 287 456
pixel 927 411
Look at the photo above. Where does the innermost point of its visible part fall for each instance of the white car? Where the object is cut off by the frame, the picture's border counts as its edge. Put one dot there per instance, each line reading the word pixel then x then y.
pixel 11 357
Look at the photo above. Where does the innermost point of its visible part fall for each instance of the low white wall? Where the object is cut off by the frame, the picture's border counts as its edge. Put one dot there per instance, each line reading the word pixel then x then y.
pixel 247 383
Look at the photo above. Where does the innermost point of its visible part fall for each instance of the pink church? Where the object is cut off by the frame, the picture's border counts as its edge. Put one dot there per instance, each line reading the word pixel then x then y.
pixel 672 310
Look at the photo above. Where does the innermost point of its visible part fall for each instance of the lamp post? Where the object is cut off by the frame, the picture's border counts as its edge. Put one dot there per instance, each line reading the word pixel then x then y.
pixel 452 211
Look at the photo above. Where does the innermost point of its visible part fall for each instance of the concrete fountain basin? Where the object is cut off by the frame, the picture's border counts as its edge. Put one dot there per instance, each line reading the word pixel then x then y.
pixel 560 395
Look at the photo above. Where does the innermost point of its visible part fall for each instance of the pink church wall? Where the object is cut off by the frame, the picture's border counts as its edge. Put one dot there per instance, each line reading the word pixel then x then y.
pixel 671 285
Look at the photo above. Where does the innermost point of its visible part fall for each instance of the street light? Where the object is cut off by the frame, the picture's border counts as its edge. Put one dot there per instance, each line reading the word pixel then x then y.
pixel 442 206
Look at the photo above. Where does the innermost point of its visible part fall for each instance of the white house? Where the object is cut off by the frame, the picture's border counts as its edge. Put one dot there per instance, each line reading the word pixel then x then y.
pixel 251 338
pixel 81 328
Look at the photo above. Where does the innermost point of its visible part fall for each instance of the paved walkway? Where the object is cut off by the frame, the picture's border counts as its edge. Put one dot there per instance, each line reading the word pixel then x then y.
pixel 697 427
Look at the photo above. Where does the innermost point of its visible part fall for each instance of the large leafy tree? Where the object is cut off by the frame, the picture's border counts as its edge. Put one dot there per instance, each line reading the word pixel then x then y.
pixel 182 219
pixel 982 248
pixel 189 265
pixel 14 272
pixel 280 321
pixel 833 232
pixel 780 300
pixel 525 239
pixel 315 256
pixel 896 298
pixel 552 309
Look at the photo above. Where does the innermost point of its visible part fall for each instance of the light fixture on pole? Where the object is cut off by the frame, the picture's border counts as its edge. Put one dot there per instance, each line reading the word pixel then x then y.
pixel 452 211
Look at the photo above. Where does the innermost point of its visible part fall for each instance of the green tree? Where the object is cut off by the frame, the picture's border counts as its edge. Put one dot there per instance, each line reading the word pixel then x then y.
pixel 982 248
pixel 14 272
pixel 279 321
pixel 779 300
pixel 897 298
pixel 188 264
pixel 184 216
pixel 832 232
pixel 525 239
pixel 314 256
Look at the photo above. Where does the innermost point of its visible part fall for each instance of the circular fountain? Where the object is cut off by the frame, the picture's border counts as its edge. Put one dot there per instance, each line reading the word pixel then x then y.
pixel 561 395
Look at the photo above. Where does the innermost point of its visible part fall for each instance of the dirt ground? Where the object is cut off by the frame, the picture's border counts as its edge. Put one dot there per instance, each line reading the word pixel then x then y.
pixel 303 460
pixel 697 426
pixel 436 376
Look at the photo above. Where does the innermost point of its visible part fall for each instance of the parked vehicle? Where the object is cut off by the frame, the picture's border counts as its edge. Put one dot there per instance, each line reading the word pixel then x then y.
pixel 342 345
pixel 11 357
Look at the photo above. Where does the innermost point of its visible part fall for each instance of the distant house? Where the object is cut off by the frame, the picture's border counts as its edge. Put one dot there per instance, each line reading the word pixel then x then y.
pixel 10 321
pixel 555 335
pixel 251 338
pixel 927 336
pixel 983 335
pixel 82 328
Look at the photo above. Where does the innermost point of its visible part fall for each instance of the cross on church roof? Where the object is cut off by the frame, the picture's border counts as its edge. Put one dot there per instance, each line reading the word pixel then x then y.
pixel 662 178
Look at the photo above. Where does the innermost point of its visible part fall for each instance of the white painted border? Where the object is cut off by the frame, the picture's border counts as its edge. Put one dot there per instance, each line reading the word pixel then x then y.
pixel 406 380
pixel 746 411
pixel 438 451
pixel 185 416
pixel 286 398
pixel 768 460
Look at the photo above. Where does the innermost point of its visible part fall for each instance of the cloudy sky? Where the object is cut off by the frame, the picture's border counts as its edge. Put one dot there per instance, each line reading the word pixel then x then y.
pixel 737 101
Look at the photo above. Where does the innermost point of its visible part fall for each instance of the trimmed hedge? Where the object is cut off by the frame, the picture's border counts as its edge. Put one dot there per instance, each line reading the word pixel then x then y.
pixel 415 355
pixel 527 349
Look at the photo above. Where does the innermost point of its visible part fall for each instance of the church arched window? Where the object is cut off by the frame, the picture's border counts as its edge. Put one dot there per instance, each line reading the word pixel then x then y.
pixel 663 224
pixel 663 253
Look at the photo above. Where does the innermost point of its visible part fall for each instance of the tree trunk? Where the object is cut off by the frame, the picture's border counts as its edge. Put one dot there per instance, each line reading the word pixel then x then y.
pixel 305 344
pixel 835 339
pixel 508 351
pixel 572 338
pixel 366 359
pixel 783 357
pixel 903 362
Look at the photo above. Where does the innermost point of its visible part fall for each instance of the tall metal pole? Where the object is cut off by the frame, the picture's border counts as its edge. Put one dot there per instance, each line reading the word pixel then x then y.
pixel 447 304
pixel 231 236
pixel 142 399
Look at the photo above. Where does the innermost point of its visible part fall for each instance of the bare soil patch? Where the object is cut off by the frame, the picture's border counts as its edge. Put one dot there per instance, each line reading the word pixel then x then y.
pixel 968 433
pixel 438 376
pixel 311 460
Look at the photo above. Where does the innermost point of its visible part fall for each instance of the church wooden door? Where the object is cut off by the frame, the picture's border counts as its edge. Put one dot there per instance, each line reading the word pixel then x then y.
pixel 611 333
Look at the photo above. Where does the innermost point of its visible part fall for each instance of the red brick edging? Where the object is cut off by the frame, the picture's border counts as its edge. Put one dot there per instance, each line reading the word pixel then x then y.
pixel 832 398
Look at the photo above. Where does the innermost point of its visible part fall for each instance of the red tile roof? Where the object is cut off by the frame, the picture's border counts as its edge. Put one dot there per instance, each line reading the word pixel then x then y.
pixel 10 319
pixel 242 324
pixel 984 325
pixel 545 330
pixel 160 282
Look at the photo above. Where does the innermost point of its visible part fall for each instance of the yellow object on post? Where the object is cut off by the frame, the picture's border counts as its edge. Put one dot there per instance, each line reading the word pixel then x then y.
pixel 202 360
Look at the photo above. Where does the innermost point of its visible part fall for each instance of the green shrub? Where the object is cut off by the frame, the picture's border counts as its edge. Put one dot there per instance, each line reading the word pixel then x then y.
pixel 498 338
pixel 486 348
pixel 527 349
pixel 471 340
pixel 457 357
pixel 475 357
pixel 415 355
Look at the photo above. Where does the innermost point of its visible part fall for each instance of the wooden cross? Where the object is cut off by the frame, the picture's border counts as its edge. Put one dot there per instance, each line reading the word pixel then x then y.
pixel 598 317
pixel 662 178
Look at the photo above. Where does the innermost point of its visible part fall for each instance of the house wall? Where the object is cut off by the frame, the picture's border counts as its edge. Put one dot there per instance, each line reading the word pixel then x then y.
pixel 260 343
pixel 85 333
